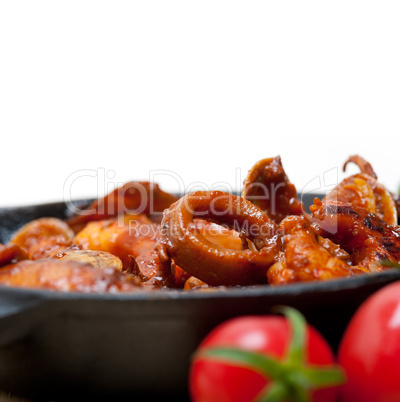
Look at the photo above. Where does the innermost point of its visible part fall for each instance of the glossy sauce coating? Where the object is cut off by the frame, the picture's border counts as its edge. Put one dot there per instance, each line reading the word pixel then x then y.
pixel 132 198
pixel 368 239
pixel 305 259
pixel 268 187
pixel 43 237
pixel 66 276
pixel 209 262
pixel 212 239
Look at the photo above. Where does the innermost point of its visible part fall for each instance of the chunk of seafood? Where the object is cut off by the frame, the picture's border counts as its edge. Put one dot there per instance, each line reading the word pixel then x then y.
pixel 10 253
pixel 43 237
pixel 131 235
pixel 268 187
pixel 305 259
pixel 363 190
pixel 182 241
pixel 67 276
pixel 131 198
pixel 368 239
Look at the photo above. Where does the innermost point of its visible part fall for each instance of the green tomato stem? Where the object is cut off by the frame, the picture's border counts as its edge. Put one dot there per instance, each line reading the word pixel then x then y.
pixel 388 263
pixel 296 352
pixel 262 364
pixel 276 392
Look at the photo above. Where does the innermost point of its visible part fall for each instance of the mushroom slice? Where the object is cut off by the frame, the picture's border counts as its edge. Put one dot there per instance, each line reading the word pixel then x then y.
pixel 98 259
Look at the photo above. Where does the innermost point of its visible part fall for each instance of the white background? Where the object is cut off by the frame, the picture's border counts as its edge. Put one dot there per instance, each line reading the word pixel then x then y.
pixel 202 89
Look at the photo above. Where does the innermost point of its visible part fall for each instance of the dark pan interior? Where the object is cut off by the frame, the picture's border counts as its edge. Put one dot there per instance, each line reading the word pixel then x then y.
pixel 58 346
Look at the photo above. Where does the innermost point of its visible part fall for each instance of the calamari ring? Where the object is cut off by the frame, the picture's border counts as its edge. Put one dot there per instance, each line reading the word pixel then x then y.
pixel 182 241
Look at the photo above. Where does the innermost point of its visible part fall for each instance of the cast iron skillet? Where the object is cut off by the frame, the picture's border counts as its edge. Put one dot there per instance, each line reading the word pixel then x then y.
pixel 60 346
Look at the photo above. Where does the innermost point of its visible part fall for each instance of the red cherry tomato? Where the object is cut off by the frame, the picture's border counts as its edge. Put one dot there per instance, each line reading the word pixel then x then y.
pixel 218 379
pixel 370 349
